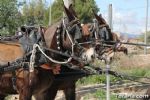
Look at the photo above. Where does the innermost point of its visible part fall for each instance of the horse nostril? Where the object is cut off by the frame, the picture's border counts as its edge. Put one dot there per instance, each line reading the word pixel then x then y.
pixel 93 56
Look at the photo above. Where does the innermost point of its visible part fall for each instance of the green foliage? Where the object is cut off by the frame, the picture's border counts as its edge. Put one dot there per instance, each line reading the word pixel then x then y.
pixel 34 12
pixel 82 7
pixel 84 10
pixel 96 79
pixel 142 72
pixel 147 74
pixel 9 16
pixel 101 95
pixel 57 10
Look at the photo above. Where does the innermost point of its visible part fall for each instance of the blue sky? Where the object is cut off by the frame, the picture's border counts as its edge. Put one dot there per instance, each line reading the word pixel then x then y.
pixel 128 15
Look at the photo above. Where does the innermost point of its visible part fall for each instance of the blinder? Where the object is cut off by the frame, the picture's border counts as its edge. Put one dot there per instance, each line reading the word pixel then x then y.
pixel 73 31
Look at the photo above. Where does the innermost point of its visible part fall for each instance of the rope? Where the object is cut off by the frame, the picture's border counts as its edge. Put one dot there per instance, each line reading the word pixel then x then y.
pixel 72 46
pixel 32 59
pixel 51 59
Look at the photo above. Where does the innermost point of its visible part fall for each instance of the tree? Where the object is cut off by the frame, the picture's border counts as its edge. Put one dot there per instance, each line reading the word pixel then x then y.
pixel 34 12
pixel 82 7
pixel 9 16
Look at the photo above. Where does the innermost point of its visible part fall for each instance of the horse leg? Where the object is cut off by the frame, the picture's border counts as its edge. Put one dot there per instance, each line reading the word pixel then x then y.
pixel 2 97
pixel 50 94
pixel 40 96
pixel 25 88
pixel 25 93
pixel 70 92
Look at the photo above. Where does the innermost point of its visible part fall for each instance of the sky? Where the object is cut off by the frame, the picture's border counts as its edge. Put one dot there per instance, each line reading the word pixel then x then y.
pixel 129 16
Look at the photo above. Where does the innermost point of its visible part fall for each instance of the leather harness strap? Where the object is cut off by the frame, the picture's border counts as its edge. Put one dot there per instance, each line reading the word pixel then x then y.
pixel 56 69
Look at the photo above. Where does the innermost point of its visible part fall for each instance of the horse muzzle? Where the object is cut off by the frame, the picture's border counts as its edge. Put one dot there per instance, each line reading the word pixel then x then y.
pixel 89 55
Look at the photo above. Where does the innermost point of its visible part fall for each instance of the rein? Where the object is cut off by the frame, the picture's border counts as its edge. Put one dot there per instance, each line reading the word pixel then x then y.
pixel 12 38
pixel 73 44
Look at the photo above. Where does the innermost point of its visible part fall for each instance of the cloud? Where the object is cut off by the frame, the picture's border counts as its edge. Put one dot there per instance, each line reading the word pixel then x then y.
pixel 128 22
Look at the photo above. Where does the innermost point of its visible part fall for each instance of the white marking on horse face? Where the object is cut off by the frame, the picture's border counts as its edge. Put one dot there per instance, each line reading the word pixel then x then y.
pixel 89 55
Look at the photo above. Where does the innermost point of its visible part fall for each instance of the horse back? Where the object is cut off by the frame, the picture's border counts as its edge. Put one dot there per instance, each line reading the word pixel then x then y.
pixel 10 52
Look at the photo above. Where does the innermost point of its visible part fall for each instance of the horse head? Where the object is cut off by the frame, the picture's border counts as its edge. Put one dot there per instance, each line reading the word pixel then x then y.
pixel 31 35
pixel 102 32
pixel 65 35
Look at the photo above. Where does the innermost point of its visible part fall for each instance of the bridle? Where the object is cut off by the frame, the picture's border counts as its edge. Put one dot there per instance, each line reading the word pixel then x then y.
pixel 66 31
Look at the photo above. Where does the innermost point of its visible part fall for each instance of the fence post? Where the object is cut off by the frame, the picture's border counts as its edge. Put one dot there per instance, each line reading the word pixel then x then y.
pixel 110 16
pixel 146 24
pixel 107 82
pixel 108 60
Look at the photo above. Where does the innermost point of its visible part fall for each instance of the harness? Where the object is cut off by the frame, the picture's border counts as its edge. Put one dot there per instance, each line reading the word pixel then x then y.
pixel 18 63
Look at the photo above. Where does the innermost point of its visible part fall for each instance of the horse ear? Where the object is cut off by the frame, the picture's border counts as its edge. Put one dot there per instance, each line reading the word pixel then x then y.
pixel 102 19
pixel 69 15
pixel 72 10
pixel 99 18
pixel 96 16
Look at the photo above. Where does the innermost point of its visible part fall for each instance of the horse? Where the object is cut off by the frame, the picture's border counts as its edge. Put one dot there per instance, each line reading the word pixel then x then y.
pixel 107 41
pixel 40 78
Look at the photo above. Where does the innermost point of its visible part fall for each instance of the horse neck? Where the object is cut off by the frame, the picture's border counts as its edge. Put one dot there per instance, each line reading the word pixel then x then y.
pixel 50 35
